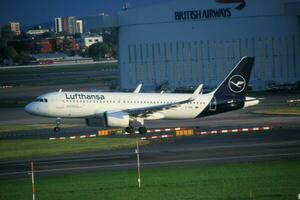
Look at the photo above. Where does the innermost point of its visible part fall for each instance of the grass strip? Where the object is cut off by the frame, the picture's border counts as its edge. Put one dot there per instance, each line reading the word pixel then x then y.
pixel 29 148
pixel 61 68
pixel 292 110
pixel 64 81
pixel 268 181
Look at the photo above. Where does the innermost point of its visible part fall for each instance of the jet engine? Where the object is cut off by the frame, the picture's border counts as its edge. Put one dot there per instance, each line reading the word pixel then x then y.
pixel 110 119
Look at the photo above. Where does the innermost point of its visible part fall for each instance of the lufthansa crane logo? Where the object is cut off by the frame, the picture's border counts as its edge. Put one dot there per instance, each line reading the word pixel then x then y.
pixel 237 83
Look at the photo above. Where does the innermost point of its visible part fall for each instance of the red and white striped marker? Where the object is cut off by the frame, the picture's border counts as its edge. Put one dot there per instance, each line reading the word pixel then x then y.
pixel 73 137
pixel 162 130
pixel 157 137
pixel 212 132
pixel 32 181
pixel 234 130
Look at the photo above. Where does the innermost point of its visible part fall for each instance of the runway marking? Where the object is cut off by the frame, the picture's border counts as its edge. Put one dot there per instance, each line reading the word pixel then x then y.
pixel 153 163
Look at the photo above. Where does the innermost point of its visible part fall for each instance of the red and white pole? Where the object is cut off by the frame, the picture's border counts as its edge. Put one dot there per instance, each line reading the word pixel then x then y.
pixel 138 163
pixel 32 181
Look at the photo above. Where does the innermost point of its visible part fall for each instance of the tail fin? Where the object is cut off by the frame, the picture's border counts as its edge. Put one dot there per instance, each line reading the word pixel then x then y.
pixel 230 94
pixel 236 83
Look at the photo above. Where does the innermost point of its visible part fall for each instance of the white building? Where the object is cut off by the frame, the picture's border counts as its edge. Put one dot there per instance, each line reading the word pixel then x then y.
pixel 87 41
pixel 15 27
pixel 191 42
pixel 58 25
pixel 79 26
pixel 37 31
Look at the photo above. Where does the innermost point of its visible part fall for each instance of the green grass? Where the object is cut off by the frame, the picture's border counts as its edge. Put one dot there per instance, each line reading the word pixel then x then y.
pixel 58 69
pixel 292 110
pixel 261 181
pixel 28 127
pixel 62 68
pixel 30 148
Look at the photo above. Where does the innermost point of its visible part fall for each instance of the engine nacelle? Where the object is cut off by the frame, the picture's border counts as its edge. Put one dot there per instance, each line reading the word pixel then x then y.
pixel 117 119
pixel 110 119
pixel 99 121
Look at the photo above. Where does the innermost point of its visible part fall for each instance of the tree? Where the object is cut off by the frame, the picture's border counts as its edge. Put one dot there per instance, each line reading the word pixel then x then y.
pixel 24 58
pixel 98 50
pixel 6 35
pixel 10 53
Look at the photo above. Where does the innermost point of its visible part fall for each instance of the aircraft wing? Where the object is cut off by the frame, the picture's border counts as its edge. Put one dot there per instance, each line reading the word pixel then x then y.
pixel 146 111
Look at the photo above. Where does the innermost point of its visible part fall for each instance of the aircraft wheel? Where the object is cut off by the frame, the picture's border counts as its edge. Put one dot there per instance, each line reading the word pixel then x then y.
pixel 142 130
pixel 129 129
pixel 56 129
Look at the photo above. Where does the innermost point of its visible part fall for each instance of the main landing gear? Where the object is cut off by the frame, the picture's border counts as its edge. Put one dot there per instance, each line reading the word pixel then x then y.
pixel 130 130
pixel 58 122
pixel 137 122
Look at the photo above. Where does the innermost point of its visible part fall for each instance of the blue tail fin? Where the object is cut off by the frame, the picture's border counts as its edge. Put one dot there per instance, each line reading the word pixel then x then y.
pixel 236 83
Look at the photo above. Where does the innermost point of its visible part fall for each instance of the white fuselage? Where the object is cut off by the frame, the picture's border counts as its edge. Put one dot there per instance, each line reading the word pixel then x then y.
pixel 91 104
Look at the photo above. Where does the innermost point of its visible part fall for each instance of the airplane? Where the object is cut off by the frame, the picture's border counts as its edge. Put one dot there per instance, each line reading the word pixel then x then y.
pixel 130 110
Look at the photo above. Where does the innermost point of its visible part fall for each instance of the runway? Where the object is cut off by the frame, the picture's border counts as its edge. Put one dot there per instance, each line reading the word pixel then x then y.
pixel 276 144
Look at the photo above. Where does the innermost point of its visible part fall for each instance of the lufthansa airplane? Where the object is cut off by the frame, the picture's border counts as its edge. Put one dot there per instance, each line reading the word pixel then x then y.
pixel 129 110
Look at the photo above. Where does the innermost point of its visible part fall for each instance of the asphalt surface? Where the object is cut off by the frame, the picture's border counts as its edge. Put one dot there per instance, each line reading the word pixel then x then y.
pixel 276 144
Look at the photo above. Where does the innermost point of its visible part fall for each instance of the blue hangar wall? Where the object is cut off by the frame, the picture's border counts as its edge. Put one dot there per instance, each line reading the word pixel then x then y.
pixel 190 42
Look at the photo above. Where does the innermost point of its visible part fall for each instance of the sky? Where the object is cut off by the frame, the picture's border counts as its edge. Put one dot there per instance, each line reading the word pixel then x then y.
pixel 33 12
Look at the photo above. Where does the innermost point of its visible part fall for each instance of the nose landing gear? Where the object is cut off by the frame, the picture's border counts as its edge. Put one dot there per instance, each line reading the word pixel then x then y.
pixel 58 122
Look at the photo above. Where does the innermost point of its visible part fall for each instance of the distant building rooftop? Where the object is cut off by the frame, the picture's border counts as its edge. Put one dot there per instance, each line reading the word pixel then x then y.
pixel 59 57
pixel 49 56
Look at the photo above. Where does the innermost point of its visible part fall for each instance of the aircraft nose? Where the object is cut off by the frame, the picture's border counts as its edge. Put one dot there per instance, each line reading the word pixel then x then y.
pixel 29 108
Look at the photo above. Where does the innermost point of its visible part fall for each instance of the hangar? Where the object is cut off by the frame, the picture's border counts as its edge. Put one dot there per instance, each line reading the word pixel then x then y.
pixel 185 43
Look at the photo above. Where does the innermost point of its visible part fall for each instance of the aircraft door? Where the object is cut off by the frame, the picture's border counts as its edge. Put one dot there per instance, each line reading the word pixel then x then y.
pixel 213 104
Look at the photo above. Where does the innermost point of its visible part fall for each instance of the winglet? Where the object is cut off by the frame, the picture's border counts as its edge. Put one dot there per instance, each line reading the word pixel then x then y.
pixel 196 92
pixel 138 88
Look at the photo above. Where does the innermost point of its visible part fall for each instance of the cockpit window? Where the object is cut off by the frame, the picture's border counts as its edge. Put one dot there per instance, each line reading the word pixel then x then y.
pixel 41 100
